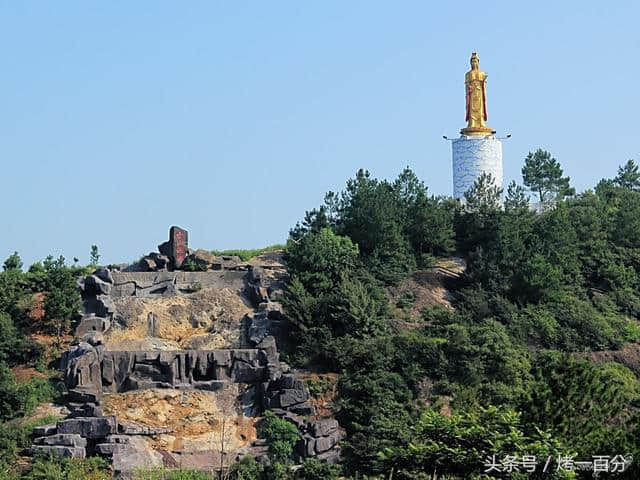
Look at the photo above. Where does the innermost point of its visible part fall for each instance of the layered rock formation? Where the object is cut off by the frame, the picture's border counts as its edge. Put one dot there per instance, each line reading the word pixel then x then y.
pixel 164 312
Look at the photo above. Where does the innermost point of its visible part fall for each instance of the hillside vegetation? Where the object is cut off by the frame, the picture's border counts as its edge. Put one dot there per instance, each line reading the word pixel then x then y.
pixel 504 368
pixel 500 373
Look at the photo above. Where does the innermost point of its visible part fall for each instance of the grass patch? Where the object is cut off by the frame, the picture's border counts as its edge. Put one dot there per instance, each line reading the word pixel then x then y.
pixel 15 436
pixel 248 254
pixel 168 474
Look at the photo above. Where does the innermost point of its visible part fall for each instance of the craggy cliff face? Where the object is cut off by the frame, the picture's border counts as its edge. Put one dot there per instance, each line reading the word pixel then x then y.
pixel 172 365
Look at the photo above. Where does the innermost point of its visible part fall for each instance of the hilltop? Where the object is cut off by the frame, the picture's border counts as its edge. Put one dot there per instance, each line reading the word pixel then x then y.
pixel 397 333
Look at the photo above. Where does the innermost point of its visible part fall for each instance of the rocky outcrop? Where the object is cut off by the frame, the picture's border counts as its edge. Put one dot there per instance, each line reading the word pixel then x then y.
pixel 148 284
pixel 62 444
pixel 103 436
pixel 88 427
pixel 251 378
pixel 83 373
pixel 319 438
pixel 174 254
pixel 203 260
pixel 288 393
pixel 183 369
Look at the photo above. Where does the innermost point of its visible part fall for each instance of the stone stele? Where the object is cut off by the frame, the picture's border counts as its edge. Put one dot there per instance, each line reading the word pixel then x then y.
pixel 179 240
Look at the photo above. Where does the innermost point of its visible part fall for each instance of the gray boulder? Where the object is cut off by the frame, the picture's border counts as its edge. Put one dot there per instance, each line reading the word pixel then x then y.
pixel 59 451
pixel 165 248
pixel 89 427
pixel 322 428
pixel 93 285
pixel 104 274
pixel 246 373
pixel 110 449
pixel 330 456
pixel 91 323
pixel 62 439
pixel 146 264
pixel 256 275
pixel 258 327
pixel 81 366
pixel 100 306
pixel 327 443
pixel 44 430
pixel 85 410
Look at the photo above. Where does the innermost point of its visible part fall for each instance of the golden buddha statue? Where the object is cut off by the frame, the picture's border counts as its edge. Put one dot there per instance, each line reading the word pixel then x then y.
pixel 475 81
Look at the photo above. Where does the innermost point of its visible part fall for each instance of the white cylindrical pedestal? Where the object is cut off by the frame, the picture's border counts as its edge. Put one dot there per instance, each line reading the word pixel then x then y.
pixel 473 156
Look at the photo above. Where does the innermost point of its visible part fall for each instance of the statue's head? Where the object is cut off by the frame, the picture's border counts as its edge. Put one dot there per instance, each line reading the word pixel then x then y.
pixel 475 61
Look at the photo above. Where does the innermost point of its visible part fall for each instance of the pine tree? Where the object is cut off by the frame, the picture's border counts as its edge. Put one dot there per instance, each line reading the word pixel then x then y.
pixel 542 174
pixel 94 255
pixel 628 176
pixel 13 262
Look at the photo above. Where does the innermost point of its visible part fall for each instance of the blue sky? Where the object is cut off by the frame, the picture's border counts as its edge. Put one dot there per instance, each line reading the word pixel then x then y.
pixel 119 119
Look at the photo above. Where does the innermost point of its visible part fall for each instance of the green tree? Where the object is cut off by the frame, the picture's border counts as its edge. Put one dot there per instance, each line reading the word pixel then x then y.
pixel 427 220
pixel 314 469
pixel 320 259
pixel 592 407
pixel 484 195
pixel 69 469
pixel 485 361
pixel 357 310
pixel 281 436
pixel 374 398
pixel 370 212
pixel 625 221
pixel 9 396
pixel 463 443
pixel 94 255
pixel 628 176
pixel 246 469
pixel 476 221
pixel 14 262
pixel 15 295
pixel 10 339
pixel 516 198
pixel 62 299
pixel 543 175
pixel 329 293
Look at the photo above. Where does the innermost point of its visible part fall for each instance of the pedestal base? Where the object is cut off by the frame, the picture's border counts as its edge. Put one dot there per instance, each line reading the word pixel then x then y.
pixel 480 131
pixel 473 156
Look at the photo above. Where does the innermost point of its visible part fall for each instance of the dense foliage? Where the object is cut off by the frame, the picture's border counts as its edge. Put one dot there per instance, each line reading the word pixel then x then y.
pixel 281 436
pixel 43 300
pixel 542 289
pixel 537 357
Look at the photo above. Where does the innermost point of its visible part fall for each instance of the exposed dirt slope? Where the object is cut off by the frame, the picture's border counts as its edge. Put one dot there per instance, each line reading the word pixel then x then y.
pixel 629 356
pixel 195 418
pixel 207 319
pixel 425 288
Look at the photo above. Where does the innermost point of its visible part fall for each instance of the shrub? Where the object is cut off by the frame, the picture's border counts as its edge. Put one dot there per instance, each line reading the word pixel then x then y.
pixel 314 469
pixel 281 436
pixel 246 469
pixel 16 436
pixel 191 265
pixel 460 443
pixel 248 254
pixel 161 473
pixel 20 399
pixel 319 386
pixel 321 259
pixel 69 469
